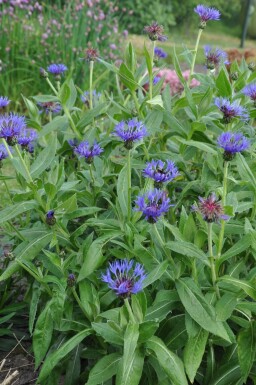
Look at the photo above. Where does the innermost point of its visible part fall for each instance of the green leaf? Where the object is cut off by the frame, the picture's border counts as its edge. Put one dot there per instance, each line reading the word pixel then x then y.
pixel 127 77
pixel 45 158
pixel 170 362
pixel 188 249
pixel 130 58
pixel 155 274
pixel 30 250
pixel 14 210
pixel 199 309
pixel 223 84
pixel 93 259
pixel 64 93
pixel 245 171
pixel 104 369
pixel 246 286
pixel 88 116
pixel 122 190
pixel 240 246
pixel 227 374
pixel 129 373
pixel 194 351
pixel 148 61
pixel 153 121
pixel 110 331
pixel 42 335
pixel 36 292
pixel 201 146
pixel 225 306
pixel 53 359
pixel 246 349
pixel 157 101
pixel 134 370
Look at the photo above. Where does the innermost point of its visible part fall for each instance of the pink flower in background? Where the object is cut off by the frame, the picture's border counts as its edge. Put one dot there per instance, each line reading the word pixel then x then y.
pixel 171 78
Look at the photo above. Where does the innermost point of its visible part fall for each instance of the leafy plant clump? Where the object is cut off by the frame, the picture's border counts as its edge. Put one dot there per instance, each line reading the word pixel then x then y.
pixel 132 220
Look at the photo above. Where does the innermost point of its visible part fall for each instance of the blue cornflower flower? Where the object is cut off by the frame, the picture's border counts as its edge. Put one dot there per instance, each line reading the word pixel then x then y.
pixel 250 90
pixel 206 14
pixel 153 204
pixel 161 171
pixel 232 142
pixel 53 107
pixel 214 58
pixel 210 209
pixel 124 278
pixel 71 280
pixel 3 152
pixel 10 127
pixel 88 152
pixel 159 53
pixel 50 218
pixel 26 137
pixel 73 142
pixel 86 96
pixel 155 32
pixel 231 110
pixel 57 69
pixel 156 80
pixel 4 101
pixel 130 131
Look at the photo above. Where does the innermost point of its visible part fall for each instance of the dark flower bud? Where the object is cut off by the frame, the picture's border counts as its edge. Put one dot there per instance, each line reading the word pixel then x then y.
pixel 43 73
pixel 71 280
pixel 251 66
pixel 234 75
pixel 91 54
pixel 50 218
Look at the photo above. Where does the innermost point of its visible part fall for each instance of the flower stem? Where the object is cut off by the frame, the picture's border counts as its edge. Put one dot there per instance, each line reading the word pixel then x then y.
pixel 71 121
pixel 129 180
pixel 222 229
pixel 194 56
pixel 7 148
pixel 129 309
pixel 212 261
pixel 52 86
pixel 80 303
pixel 151 75
pixel 90 85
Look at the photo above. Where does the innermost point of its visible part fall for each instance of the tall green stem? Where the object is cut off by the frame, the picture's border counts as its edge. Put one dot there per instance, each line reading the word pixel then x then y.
pixel 129 309
pixel 52 86
pixel 90 85
pixel 194 56
pixel 129 180
pixel 71 121
pixel 151 75
pixel 212 260
pixel 225 184
pixel 7 148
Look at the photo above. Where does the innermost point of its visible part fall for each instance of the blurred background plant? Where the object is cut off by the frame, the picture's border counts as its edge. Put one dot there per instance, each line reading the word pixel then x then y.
pixel 35 34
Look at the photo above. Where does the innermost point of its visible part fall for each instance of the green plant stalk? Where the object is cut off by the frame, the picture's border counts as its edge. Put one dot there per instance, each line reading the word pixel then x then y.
pixel 90 85
pixel 129 180
pixel 7 148
pixel 52 87
pixel 129 309
pixel 222 229
pixel 151 75
pixel 72 124
pixel 194 56
pixel 212 260
pixel 79 303
pixel 168 256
